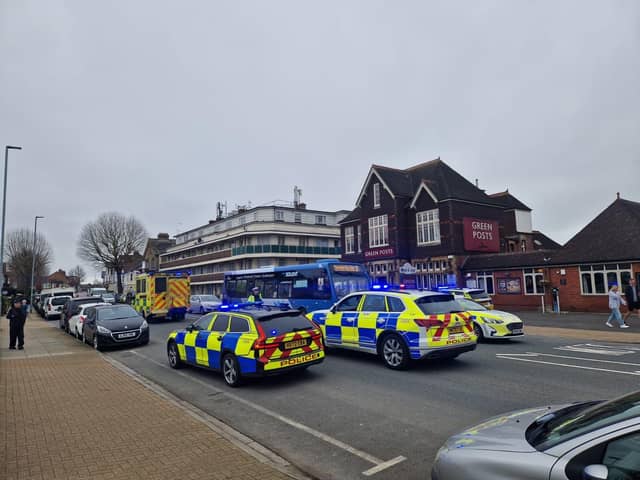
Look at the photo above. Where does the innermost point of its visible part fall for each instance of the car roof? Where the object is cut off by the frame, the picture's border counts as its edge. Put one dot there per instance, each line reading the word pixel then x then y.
pixel 261 312
pixel 82 299
pixel 401 293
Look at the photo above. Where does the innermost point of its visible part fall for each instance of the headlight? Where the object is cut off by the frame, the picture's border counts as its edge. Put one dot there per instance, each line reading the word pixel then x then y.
pixel 494 321
pixel 102 329
pixel 144 325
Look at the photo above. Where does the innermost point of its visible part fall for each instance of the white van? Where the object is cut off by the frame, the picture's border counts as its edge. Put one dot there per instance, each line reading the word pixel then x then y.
pixel 53 307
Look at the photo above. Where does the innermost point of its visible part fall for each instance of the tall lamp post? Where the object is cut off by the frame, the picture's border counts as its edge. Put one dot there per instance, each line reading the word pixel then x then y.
pixel 4 211
pixel 33 256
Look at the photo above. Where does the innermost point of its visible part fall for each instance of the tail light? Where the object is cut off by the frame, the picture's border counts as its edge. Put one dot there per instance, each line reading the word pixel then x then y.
pixel 82 318
pixel 49 307
pixel 427 322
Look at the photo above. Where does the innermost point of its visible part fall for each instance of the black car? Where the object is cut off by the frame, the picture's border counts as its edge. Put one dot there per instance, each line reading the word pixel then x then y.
pixel 70 309
pixel 114 325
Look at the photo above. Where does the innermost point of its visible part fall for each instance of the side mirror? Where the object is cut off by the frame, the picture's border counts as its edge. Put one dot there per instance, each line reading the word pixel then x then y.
pixel 190 328
pixel 595 472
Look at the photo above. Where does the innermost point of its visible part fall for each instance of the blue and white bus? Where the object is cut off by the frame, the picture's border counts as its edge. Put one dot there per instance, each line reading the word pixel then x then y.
pixel 312 286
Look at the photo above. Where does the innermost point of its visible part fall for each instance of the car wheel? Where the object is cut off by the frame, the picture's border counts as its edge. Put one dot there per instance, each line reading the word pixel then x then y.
pixel 174 356
pixel 231 370
pixel 96 342
pixel 77 333
pixel 84 338
pixel 477 329
pixel 395 352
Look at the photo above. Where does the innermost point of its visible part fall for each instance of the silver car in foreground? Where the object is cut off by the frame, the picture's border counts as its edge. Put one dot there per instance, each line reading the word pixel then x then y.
pixel 581 441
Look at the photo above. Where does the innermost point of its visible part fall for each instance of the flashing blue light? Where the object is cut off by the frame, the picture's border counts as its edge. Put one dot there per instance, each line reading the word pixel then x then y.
pixel 178 274
pixel 224 307
pixel 274 332
pixel 376 287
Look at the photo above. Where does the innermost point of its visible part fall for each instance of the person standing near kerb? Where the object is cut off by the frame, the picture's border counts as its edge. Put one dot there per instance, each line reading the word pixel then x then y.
pixel 255 295
pixel 632 298
pixel 16 317
pixel 614 304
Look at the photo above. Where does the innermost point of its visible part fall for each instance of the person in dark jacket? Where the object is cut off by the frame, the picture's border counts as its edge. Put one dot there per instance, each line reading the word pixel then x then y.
pixel 632 296
pixel 16 317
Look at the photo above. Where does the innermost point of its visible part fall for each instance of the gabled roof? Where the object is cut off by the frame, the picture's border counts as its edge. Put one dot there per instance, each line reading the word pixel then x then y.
pixel 613 235
pixel 508 201
pixel 159 245
pixel 354 215
pixel 440 179
pixel 543 242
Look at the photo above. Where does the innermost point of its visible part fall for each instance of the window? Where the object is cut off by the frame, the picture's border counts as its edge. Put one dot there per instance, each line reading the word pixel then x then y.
pixel 485 281
pixel 321 219
pixel 378 231
pixel 428 227
pixel 221 323
pixel 280 239
pixel 161 285
pixel 376 195
pixel 203 322
pixel 279 216
pixel 349 304
pixel 239 325
pixel 395 304
pixel 597 279
pixel 297 217
pixel 374 303
pixel 359 240
pixel 303 241
pixel 533 282
pixel 349 240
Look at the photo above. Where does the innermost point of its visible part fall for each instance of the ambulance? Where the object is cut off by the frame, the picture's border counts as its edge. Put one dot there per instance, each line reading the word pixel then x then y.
pixel 162 295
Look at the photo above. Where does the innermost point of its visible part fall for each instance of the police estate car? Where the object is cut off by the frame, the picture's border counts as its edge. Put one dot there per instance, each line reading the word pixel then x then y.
pixel 250 341
pixel 398 325
pixel 492 323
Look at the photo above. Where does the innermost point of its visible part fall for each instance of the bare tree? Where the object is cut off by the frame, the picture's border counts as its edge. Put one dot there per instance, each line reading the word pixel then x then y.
pixel 109 240
pixel 20 254
pixel 76 276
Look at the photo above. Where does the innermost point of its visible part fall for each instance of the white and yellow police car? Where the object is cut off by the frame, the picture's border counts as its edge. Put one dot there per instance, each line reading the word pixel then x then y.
pixel 249 341
pixel 399 326
pixel 492 323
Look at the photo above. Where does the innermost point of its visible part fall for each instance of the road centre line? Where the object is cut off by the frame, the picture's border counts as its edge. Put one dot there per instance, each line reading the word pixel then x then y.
pixel 380 465
pixel 580 358
pixel 520 359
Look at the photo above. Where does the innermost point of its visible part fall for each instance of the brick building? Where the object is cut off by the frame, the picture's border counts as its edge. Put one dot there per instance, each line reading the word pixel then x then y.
pixel 604 252
pixel 417 226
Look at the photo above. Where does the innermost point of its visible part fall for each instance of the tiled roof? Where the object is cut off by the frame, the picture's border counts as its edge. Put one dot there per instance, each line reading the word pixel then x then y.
pixel 543 242
pixel 353 215
pixel 509 201
pixel 613 235
pixel 496 261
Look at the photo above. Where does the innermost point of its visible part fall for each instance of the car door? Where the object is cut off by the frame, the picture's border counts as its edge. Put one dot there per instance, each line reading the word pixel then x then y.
pixel 203 325
pixel 89 326
pixel 371 316
pixel 239 339
pixel 340 324
pixel 195 304
pixel 191 344
pixel 219 328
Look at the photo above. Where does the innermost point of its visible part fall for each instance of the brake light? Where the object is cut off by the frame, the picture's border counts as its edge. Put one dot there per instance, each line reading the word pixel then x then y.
pixel 427 322
pixel 49 307
pixel 82 318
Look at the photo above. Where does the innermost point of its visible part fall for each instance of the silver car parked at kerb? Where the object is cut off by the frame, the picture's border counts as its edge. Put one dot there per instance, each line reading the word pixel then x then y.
pixel 582 441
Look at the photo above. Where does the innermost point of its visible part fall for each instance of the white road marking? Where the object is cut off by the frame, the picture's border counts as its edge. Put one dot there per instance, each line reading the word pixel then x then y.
pixel 520 359
pixel 578 358
pixel 380 464
pixel 597 351
pixel 626 346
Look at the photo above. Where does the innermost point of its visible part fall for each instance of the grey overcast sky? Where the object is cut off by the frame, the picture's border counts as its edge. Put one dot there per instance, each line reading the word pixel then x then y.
pixel 161 108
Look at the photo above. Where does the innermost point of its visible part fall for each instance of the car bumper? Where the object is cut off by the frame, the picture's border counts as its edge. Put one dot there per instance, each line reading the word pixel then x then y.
pixel 262 372
pixel 111 340
pixel 443 352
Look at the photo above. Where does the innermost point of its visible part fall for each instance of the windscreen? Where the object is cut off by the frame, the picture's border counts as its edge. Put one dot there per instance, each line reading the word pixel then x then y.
pixel 478 294
pixel 116 313
pixel 469 306
pixel 281 324
pixel 348 278
pixel 437 304
pixel 208 298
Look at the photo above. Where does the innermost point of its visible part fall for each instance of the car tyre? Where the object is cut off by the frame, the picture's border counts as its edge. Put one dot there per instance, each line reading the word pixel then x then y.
pixel 96 342
pixel 477 329
pixel 173 356
pixel 231 370
pixel 395 352
pixel 84 338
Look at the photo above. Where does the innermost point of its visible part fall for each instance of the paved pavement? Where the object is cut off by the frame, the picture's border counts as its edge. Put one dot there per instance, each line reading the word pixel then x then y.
pixel 68 412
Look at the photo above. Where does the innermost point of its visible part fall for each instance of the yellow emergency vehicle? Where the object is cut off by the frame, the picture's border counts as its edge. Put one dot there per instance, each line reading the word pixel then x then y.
pixel 399 326
pixel 162 295
pixel 492 323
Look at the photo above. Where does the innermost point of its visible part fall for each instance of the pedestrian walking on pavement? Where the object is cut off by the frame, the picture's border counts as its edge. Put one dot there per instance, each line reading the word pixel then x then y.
pixel 16 317
pixel 614 304
pixel 632 298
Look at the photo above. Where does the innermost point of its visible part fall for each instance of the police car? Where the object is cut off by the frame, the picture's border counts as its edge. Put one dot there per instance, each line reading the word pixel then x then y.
pixel 399 326
pixel 247 341
pixel 474 294
pixel 492 323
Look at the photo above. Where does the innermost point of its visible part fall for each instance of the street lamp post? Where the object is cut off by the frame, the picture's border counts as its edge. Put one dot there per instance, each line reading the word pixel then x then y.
pixel 33 256
pixel 4 211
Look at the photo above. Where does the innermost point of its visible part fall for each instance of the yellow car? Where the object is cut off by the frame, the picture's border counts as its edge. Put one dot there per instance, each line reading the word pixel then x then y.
pixel 474 294
pixel 247 342
pixel 399 326
pixel 492 323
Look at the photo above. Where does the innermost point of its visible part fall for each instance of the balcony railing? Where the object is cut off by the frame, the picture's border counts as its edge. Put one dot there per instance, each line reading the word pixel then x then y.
pixel 254 249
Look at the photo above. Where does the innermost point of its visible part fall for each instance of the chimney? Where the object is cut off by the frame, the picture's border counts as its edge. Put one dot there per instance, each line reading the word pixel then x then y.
pixel 618 195
pixel 477 183
pixel 163 236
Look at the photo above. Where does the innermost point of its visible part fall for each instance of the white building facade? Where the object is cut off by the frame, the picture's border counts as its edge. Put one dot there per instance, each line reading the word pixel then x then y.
pixel 274 235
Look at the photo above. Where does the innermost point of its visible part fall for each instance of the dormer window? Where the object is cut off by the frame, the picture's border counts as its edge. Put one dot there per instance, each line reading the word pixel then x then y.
pixel 376 195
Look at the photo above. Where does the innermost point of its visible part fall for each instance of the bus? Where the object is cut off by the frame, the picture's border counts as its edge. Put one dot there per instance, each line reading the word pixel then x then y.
pixel 307 287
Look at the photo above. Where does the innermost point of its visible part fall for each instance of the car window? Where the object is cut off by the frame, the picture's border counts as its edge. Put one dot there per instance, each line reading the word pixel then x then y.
pixel 116 312
pixel 374 303
pixel 221 323
pixel 239 324
pixel 161 285
pixel 468 305
pixel 349 304
pixel 437 304
pixel 395 304
pixel 203 322
pixel 282 323
pixel 91 312
pixel 622 457
pixel 59 300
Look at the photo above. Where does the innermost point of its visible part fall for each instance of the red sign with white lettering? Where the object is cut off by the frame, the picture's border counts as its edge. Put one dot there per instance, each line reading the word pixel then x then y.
pixel 379 253
pixel 481 235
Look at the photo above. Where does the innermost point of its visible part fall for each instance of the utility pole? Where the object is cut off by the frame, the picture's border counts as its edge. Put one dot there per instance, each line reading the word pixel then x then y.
pixel 33 257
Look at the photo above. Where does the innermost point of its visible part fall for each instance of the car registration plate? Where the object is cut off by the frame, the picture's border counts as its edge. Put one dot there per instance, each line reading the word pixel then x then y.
pixel 127 335
pixel 455 330
pixel 295 344
pixel 516 331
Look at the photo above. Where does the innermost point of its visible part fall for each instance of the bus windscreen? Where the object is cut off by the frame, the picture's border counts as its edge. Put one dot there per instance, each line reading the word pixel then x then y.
pixel 348 278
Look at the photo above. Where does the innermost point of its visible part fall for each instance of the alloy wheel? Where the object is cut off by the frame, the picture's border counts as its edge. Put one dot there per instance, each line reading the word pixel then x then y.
pixel 173 355
pixel 229 370
pixel 393 352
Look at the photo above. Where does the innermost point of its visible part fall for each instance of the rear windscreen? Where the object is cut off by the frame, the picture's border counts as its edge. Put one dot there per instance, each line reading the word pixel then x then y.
pixel 59 300
pixel 280 325
pixel 87 300
pixel 436 304
pixel 476 295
